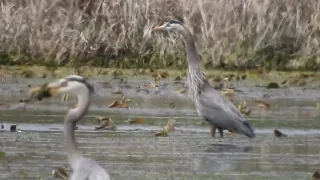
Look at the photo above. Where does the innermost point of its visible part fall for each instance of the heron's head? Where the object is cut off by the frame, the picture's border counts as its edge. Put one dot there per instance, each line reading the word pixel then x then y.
pixel 72 84
pixel 170 26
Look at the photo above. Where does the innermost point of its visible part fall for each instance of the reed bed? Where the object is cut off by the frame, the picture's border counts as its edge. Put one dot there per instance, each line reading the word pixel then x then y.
pixel 276 34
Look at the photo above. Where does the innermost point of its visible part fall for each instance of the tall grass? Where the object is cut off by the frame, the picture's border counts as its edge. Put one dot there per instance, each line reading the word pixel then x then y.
pixel 280 34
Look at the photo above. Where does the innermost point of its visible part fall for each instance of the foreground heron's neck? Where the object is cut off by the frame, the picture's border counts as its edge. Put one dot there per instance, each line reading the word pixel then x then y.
pixel 195 73
pixel 73 116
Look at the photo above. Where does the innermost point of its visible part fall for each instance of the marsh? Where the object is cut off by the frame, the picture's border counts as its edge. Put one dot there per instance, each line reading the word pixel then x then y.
pixel 133 152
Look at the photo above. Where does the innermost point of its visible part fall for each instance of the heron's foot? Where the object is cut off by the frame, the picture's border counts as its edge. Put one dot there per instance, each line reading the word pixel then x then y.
pixel 220 132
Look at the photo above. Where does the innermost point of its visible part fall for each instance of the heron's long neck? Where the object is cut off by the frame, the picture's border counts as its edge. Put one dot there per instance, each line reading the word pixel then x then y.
pixel 196 74
pixel 73 116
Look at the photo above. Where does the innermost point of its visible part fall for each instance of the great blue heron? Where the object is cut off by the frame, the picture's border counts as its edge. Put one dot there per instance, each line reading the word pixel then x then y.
pixel 211 104
pixel 83 168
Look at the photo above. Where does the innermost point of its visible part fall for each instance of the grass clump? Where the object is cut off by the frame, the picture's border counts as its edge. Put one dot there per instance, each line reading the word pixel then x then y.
pixel 281 34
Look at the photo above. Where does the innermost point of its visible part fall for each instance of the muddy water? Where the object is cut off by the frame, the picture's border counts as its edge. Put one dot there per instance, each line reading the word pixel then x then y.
pixel 133 152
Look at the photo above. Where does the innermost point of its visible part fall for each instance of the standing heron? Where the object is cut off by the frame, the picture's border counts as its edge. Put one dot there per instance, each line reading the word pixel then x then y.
pixel 214 107
pixel 83 168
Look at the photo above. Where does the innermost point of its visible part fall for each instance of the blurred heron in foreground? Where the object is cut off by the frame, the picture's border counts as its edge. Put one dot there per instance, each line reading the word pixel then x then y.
pixel 83 168
pixel 214 107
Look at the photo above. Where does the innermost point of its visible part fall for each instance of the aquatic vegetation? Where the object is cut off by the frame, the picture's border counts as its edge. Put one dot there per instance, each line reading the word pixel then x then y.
pixel 273 85
pixel 172 105
pixel 284 82
pixel 160 75
pixel 104 122
pixel 243 77
pixel 27 74
pixel 136 121
pixel 106 85
pixel 117 92
pixel 178 78
pixel 257 72
pixel 227 92
pixel 302 83
pixel 151 85
pixel 142 89
pixel 213 79
pixel 60 173
pixel 169 127
pixel 118 104
pixel 242 106
pixel 117 73
pixel 125 99
pixel 263 104
pixel 123 80
pixel 181 91
pixel 52 70
pixel 293 81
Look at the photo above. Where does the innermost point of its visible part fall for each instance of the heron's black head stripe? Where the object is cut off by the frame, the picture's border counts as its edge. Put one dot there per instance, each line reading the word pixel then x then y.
pixel 83 81
pixel 174 21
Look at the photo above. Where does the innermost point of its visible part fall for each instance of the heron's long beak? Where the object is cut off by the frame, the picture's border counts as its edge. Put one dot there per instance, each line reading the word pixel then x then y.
pixel 55 87
pixel 159 27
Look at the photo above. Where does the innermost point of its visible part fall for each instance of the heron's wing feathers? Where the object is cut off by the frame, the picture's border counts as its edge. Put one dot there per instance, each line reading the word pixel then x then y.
pixel 218 109
pixel 217 101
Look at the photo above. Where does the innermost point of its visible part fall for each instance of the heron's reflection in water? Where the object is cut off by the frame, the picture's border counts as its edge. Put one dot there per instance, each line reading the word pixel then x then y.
pixel 220 148
pixel 217 162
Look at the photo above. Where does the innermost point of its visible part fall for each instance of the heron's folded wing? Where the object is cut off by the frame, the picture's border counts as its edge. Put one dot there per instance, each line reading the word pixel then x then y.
pixel 217 107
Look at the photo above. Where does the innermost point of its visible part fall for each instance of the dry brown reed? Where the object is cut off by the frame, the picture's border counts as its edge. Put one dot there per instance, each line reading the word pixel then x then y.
pixel 232 33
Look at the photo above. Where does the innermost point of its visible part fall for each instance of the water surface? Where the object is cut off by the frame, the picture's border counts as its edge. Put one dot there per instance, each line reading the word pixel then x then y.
pixel 133 152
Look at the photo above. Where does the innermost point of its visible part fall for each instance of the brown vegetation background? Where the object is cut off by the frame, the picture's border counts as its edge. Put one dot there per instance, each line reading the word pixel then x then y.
pixel 276 34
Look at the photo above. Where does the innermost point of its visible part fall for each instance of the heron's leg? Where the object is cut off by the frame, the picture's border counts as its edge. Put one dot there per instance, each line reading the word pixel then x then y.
pixel 220 131
pixel 212 130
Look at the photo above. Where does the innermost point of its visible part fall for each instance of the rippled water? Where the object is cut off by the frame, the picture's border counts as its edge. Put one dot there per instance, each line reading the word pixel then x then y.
pixel 133 152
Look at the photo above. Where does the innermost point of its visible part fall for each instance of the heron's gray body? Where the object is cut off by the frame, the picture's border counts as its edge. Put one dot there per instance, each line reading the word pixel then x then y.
pixel 221 112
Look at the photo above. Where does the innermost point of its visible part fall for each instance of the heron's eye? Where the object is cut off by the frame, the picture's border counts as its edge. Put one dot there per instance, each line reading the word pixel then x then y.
pixel 64 84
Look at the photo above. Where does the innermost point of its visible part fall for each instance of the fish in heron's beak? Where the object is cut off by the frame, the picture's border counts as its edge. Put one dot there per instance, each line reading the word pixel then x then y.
pixel 39 92
pixel 47 90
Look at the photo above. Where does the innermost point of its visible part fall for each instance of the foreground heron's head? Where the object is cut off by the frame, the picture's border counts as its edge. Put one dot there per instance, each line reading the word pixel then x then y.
pixel 72 84
pixel 170 26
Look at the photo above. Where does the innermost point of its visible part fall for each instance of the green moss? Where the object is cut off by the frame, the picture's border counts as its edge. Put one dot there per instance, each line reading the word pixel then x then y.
pixel 2 155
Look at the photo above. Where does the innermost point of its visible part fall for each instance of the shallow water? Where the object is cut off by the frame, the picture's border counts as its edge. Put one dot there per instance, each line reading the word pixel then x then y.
pixel 133 152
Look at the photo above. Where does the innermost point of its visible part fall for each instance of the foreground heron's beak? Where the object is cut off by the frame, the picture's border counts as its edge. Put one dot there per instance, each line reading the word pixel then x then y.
pixel 53 90
pixel 159 27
